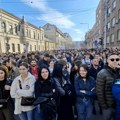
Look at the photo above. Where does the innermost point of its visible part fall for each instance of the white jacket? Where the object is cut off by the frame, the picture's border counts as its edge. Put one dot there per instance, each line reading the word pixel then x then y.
pixel 18 93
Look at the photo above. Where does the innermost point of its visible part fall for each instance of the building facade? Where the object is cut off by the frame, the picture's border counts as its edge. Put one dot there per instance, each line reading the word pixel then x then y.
pixel 17 35
pixel 94 37
pixel 106 30
pixel 113 23
pixel 62 40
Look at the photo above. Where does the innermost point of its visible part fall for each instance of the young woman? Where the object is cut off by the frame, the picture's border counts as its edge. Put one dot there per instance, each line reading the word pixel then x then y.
pixel 48 88
pixel 26 82
pixel 6 108
pixel 84 88
pixel 65 111
pixel 74 71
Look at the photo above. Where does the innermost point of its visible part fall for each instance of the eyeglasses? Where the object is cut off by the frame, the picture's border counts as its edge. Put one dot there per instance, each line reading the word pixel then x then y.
pixel 113 59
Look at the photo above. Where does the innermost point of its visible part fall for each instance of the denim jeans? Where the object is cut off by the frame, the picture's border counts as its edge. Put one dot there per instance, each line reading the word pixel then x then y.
pixel 39 115
pixel 84 110
pixel 28 115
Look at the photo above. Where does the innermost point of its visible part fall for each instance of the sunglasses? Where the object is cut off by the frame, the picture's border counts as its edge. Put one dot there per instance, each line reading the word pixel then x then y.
pixel 112 59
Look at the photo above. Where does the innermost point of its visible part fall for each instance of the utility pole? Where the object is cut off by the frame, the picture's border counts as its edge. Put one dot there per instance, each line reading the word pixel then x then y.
pixel 105 26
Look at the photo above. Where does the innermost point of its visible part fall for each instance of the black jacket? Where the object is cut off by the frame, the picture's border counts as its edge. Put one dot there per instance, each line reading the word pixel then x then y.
pixel 43 63
pixel 50 89
pixel 105 80
pixel 5 94
pixel 93 71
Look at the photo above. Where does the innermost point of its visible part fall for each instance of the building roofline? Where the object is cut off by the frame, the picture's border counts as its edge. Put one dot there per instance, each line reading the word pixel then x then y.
pixel 19 19
pixel 10 14
pixel 57 29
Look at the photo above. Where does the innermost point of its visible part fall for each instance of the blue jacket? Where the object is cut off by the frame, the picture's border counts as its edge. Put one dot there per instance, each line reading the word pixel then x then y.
pixel 116 95
pixel 88 86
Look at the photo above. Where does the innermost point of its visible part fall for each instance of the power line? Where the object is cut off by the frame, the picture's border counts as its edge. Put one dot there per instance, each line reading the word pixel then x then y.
pixel 37 1
pixel 54 18
pixel 63 11
pixel 69 10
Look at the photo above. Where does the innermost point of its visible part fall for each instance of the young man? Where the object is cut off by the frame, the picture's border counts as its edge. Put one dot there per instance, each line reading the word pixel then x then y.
pixel 44 61
pixel 34 68
pixel 94 68
pixel 14 72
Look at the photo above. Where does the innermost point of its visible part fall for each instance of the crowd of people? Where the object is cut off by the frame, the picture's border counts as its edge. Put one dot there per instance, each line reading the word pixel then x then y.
pixel 60 85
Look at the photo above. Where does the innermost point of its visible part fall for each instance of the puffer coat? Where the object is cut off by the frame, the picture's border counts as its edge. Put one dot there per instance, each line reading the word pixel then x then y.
pixel 105 80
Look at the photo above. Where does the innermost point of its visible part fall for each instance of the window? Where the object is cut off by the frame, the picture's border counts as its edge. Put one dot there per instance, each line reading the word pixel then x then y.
pixel 30 33
pixel 114 5
pixel 108 26
pixel 119 14
pixel 112 38
pixel 18 47
pixel 108 39
pixel 108 11
pixel 19 27
pixel 26 33
pixel 10 29
pixel 34 35
pixel 118 34
pixel 16 28
pixel 100 11
pixel 13 47
pixel 38 37
pixel 99 22
pixel 3 26
pixel 97 15
pixel 113 22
